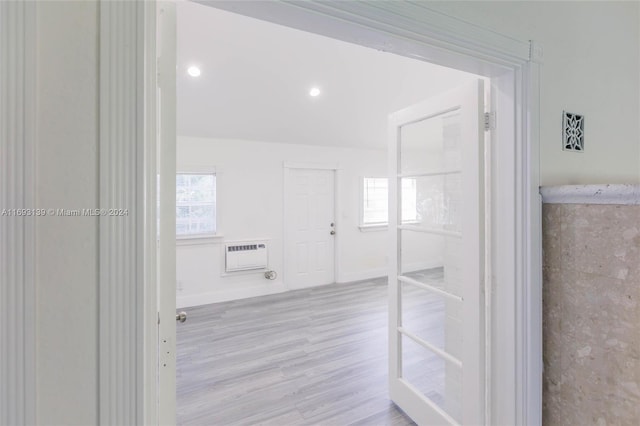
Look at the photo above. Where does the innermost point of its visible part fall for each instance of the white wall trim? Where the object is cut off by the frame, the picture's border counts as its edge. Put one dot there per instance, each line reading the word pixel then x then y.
pixel 349 277
pixel 17 233
pixel 121 260
pixel 369 274
pixel 434 28
pixel 228 295
pixel 529 366
pixel 383 227
pixel 621 194
pixel 390 26
pixel 195 240
pixel 150 303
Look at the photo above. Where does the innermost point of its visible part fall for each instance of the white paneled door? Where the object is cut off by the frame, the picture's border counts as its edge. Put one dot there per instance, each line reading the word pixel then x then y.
pixel 310 227
pixel 436 320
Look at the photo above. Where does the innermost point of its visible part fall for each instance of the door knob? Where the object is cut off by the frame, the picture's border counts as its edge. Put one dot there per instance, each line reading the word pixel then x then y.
pixel 182 317
pixel 332 232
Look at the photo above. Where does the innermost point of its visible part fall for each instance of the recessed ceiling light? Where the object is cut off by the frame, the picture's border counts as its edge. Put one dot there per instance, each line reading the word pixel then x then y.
pixel 314 92
pixel 193 71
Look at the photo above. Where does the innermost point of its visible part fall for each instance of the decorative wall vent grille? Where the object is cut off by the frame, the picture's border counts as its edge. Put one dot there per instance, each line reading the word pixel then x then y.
pixel 572 132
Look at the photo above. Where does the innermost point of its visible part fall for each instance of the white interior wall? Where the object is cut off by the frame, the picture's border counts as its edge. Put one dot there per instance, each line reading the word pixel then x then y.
pixel 250 200
pixel 590 67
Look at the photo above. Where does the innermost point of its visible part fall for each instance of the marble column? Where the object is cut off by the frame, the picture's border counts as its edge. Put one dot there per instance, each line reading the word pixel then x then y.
pixel 591 289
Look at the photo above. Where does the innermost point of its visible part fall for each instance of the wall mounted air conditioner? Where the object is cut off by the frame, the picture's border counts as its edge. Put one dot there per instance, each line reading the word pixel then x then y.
pixel 245 256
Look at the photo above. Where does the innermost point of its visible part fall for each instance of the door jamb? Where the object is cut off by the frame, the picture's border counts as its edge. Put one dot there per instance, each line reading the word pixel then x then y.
pixel 18 193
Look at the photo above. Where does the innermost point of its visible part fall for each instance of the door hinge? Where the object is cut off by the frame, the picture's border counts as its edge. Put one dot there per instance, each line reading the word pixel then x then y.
pixel 489 121
pixel 158 318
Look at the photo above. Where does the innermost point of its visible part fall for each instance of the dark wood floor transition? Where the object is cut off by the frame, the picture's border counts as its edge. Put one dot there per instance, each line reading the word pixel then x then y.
pixel 309 357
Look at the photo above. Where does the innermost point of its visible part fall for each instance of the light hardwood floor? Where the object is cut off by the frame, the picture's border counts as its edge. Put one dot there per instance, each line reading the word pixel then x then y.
pixel 312 356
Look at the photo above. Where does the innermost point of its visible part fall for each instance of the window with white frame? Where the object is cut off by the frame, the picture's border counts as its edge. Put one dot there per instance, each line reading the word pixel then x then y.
pixel 195 204
pixel 375 201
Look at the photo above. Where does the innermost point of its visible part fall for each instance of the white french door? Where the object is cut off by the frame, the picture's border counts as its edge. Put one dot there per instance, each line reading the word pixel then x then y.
pixel 436 322
pixel 166 249
pixel 310 227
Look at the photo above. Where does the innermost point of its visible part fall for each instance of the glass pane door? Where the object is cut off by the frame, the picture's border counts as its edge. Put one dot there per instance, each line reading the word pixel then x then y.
pixel 436 279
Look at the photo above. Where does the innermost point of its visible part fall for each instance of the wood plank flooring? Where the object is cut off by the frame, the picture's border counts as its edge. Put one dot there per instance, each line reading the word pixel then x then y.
pixel 309 357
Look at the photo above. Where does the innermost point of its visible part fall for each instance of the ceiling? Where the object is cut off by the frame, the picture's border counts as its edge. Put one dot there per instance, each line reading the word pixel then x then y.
pixel 256 77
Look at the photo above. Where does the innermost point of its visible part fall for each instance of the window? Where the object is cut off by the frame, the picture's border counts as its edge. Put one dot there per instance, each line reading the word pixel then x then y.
pixel 375 201
pixel 195 204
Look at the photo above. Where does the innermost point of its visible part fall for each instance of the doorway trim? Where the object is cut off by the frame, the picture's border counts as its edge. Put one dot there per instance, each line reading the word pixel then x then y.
pixel 18 193
pixel 123 239
pixel 335 168
pixel 408 29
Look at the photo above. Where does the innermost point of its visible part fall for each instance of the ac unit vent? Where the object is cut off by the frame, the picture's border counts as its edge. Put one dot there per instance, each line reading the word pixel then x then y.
pixel 246 256
pixel 245 247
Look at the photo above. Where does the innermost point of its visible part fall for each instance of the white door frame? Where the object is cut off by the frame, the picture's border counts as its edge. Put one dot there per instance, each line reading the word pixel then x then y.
pixel 287 166
pixel 17 233
pixel 405 28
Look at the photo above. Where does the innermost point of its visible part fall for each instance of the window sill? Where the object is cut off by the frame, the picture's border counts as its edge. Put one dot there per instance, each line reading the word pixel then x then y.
pixel 190 240
pixel 384 226
pixel 373 228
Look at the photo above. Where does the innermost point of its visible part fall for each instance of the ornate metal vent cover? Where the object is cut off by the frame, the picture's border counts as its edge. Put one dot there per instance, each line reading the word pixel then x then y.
pixel 572 132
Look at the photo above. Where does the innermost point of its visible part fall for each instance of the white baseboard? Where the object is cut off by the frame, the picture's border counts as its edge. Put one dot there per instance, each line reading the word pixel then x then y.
pixel 348 277
pixel 245 293
pixel 227 295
